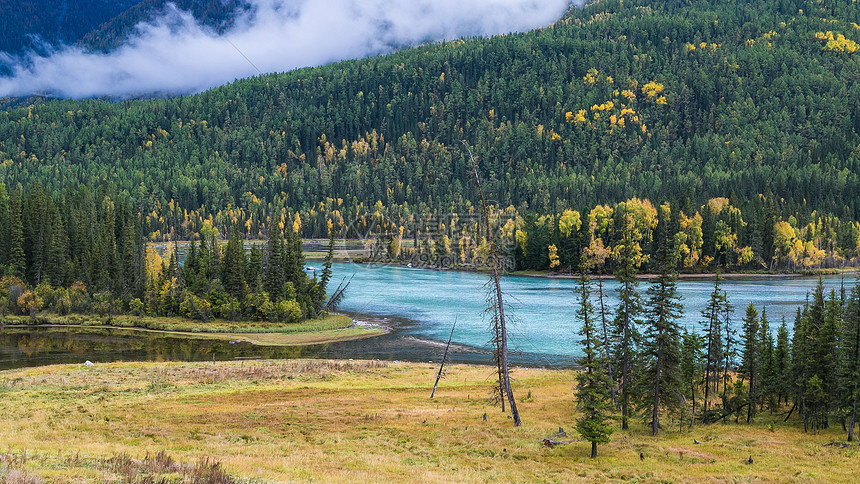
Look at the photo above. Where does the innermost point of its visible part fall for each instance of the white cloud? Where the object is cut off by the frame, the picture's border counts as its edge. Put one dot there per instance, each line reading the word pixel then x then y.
pixel 175 54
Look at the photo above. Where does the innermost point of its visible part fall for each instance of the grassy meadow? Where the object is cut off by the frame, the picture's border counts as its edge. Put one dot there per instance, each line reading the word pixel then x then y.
pixel 357 421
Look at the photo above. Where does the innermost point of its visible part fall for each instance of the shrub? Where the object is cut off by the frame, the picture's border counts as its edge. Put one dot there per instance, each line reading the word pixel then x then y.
pixel 30 303
pixel 289 311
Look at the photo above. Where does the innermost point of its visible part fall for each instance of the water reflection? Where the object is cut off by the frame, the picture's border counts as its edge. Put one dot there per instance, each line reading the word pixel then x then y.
pixel 27 347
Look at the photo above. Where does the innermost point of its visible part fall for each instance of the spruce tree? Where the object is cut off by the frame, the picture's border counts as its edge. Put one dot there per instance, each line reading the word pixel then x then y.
pixel 233 266
pixel 191 267
pixel 851 350
pixel 692 366
pixel 17 259
pixel 713 338
pixel 730 350
pixel 5 225
pixel 254 270
pixel 782 364
pixel 593 384
pixel 275 274
pixel 750 357
pixel 767 364
pixel 627 255
pixel 661 346
pixel 56 269
pixel 294 265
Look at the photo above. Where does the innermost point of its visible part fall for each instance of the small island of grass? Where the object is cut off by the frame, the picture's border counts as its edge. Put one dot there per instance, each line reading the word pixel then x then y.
pixel 328 328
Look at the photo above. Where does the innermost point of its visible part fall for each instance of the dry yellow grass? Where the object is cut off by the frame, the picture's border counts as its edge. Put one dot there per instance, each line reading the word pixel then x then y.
pixel 340 421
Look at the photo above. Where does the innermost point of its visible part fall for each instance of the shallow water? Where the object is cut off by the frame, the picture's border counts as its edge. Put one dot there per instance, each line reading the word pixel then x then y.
pixel 420 306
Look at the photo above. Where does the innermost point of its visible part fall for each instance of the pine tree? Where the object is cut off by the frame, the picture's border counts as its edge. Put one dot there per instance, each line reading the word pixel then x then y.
pixel 294 264
pixel 325 275
pixel 692 366
pixel 628 256
pixel 851 350
pixel 782 364
pixel 661 346
pixel 191 267
pixel 5 225
pixel 36 224
pixel 800 356
pixel 730 350
pixel 713 338
pixel 56 269
pixel 828 355
pixel 275 275
pixel 17 259
pixel 593 384
pixel 254 270
pixel 750 357
pixel 233 267
pixel 767 365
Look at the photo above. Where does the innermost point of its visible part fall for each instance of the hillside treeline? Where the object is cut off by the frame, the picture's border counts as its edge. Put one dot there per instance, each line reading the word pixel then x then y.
pixel 669 102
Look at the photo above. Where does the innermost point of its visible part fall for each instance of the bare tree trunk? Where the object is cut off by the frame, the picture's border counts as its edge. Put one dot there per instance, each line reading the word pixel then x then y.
pixel 853 415
pixel 444 358
pixel 505 381
pixel 593 450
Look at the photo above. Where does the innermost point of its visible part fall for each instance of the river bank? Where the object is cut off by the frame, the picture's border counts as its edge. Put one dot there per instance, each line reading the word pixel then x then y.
pixel 361 421
pixel 327 329
pixel 693 276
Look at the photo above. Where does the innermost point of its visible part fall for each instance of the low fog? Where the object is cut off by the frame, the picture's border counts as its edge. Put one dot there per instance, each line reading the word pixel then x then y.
pixel 175 54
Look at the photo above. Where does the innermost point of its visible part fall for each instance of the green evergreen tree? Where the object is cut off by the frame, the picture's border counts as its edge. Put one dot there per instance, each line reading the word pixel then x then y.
pixel 713 339
pixel 851 350
pixel 692 367
pixel 593 396
pixel 233 266
pixel 782 364
pixel 5 226
pixel 627 256
pixel 767 364
pixel 56 269
pixel 750 357
pixel 661 380
pixel 17 259
pixel 275 274
pixel 255 269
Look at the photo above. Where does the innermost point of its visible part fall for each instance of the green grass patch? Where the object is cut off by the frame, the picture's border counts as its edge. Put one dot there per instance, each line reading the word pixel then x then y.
pixel 328 322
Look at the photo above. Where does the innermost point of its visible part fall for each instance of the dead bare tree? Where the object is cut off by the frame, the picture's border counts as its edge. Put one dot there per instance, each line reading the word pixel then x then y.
pixel 497 307
pixel 444 359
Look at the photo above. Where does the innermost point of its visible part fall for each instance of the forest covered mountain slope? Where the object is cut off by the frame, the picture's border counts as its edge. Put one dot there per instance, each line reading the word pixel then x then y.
pixel 665 100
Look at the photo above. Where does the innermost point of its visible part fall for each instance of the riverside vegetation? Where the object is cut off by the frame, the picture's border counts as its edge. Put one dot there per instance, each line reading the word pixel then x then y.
pixel 87 254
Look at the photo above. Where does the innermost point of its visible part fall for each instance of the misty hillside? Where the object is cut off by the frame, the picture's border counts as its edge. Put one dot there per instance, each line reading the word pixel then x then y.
pixel 96 24
pixel 215 14
pixel 650 99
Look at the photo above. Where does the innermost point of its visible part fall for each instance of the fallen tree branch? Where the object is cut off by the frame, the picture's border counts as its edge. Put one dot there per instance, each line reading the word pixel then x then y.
pixel 551 442
pixel 790 412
